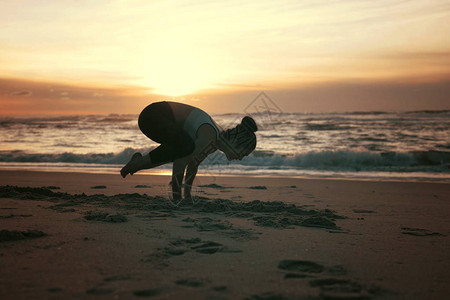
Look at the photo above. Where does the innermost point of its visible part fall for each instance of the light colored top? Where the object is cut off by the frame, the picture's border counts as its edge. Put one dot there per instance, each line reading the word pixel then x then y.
pixel 197 118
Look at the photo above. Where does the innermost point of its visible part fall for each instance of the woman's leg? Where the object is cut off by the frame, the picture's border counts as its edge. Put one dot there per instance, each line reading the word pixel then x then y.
pixel 157 122
pixel 137 162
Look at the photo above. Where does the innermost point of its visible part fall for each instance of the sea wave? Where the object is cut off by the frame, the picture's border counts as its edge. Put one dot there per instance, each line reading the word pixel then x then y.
pixel 68 157
pixel 432 161
pixel 427 161
pixel 65 121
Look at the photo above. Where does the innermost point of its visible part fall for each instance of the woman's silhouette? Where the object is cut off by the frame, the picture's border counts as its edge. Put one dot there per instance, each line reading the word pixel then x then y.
pixel 187 136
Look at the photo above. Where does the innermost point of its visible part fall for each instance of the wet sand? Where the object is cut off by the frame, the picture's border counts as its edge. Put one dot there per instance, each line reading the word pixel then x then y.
pixel 71 235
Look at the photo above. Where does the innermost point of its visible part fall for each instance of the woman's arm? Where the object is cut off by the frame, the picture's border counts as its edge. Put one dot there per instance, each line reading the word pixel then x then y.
pixel 204 145
pixel 191 171
pixel 179 166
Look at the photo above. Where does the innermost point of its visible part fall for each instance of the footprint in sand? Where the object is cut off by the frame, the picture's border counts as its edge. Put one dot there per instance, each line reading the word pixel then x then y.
pixel 180 242
pixel 182 246
pixel 96 292
pixel 341 288
pixel 63 207
pixel 334 288
pixel 190 282
pixel 208 248
pixel 330 288
pixel 15 235
pixel 420 232
pixel 147 293
pixel 305 269
pixel 301 265
pixel 105 217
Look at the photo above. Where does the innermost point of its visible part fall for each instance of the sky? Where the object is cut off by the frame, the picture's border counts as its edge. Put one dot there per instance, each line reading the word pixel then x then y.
pixel 114 56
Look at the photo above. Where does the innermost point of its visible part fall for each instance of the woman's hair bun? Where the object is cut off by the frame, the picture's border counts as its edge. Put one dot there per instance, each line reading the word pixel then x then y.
pixel 249 123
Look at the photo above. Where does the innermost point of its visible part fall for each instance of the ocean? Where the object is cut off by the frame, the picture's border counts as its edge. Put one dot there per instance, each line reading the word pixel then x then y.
pixel 406 146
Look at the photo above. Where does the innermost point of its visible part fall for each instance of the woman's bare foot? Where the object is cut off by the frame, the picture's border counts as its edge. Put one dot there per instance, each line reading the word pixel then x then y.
pixel 132 166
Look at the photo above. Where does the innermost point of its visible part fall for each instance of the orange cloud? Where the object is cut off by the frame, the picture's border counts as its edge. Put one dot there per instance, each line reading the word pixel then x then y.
pixel 21 96
pixel 27 97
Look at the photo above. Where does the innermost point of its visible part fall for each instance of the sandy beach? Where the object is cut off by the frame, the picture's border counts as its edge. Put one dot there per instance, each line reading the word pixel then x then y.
pixel 74 235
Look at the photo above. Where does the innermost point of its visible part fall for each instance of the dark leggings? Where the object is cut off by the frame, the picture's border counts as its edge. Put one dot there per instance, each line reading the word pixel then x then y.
pixel 157 122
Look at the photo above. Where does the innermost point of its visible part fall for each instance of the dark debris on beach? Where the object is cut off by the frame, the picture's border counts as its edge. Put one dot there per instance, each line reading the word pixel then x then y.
pixel 276 214
pixel 15 235
pixel 105 217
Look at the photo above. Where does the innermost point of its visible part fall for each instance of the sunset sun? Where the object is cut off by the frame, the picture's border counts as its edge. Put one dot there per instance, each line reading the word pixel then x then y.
pixel 175 74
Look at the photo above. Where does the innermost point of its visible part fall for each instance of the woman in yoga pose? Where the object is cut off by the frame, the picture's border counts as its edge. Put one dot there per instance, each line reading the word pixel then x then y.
pixel 187 136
